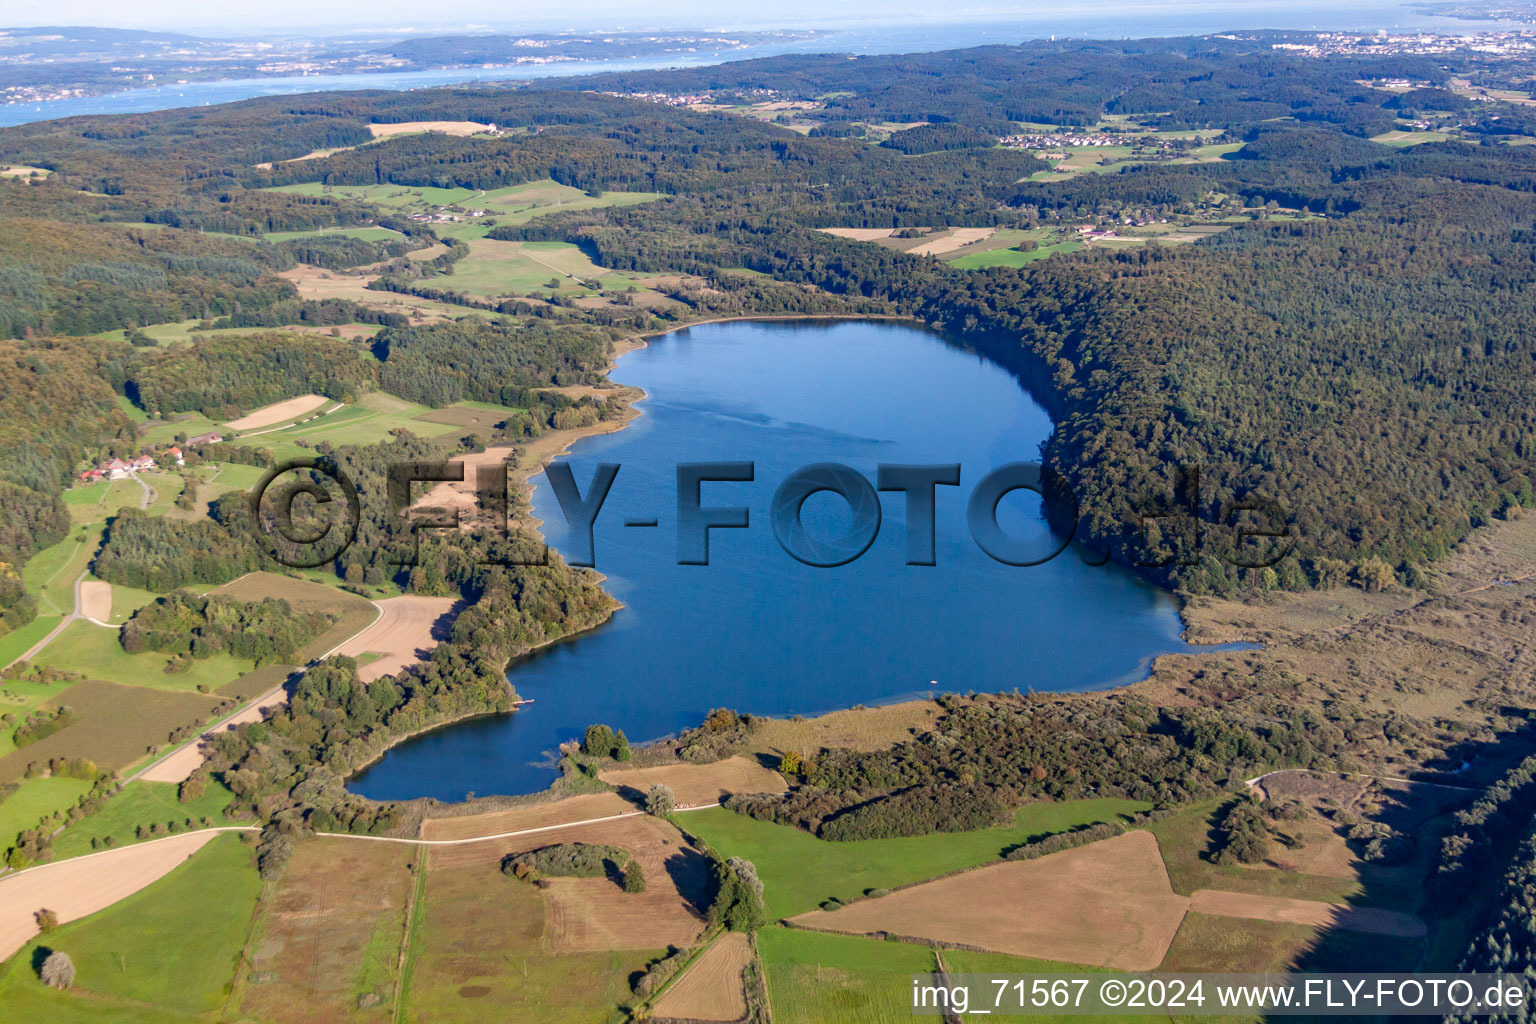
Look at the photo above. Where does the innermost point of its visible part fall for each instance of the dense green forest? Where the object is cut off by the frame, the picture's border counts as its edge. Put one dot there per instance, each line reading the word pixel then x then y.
pixel 224 378
pixel 185 624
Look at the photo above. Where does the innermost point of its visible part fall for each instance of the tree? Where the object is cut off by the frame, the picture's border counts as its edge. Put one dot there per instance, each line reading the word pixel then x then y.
pixel 193 788
pixel 738 903
pixel 47 920
pixel 598 741
pixel 660 801
pixel 634 877
pixel 58 971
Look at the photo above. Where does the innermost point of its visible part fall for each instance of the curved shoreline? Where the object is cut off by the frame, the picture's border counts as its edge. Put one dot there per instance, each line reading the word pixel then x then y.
pixel 537 456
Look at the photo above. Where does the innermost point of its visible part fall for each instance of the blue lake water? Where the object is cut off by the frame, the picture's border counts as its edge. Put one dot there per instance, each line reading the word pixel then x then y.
pixel 755 629
pixel 1108 19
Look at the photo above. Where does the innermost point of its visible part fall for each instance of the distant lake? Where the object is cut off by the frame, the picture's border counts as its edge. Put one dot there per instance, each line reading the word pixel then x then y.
pixel 1102 20
pixel 756 630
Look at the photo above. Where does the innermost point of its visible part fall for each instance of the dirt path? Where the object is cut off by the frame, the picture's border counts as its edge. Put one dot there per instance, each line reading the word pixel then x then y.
pixel 83 885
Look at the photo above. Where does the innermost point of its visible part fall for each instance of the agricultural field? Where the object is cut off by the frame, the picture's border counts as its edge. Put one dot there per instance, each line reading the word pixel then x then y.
pixel 166 953
pixel 367 421
pixel 515 204
pixel 1124 914
pixel 327 940
pixel 116 726
pixel 586 915
pixel 478 947
pixel 404 631
pixel 695 785
pixel 142 803
pixel 710 989
pixel 839 979
pixel 799 871
pixel 1402 139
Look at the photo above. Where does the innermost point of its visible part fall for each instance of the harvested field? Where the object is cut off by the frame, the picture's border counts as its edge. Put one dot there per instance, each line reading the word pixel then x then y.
pixel 556 812
pixel 595 914
pixel 698 784
pixel 96 600
pixel 1123 913
pixel 278 412
pixel 407 631
pixel 1308 912
pixel 959 238
pixel 712 988
pixel 479 954
pixel 331 934
pixel 74 888
pixel 860 234
pixel 446 127
pixel 24 172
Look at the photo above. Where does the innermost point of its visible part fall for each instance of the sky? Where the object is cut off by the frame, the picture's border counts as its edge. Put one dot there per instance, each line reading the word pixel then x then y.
pixel 483 16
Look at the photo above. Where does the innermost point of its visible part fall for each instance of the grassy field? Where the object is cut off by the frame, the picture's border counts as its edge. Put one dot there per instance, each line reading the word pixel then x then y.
pixel 368 421
pixel 169 948
pixel 521 203
pixel 800 871
pixel 94 651
pixel 1404 139
pixel 94 503
pixel 838 979
pixel 372 234
pixel 142 803
pixel 1012 257
pixel 495 269
pixel 515 204
pixel 35 799
pixel 1185 840
pixel 16 643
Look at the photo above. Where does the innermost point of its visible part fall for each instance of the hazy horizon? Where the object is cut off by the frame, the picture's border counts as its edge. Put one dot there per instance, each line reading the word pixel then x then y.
pixel 291 17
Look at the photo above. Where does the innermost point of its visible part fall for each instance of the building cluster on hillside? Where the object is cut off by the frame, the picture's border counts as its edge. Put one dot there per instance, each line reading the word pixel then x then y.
pixel 1055 140
pixel 445 217
pixel 122 469
pixel 1384 44
pixel 665 98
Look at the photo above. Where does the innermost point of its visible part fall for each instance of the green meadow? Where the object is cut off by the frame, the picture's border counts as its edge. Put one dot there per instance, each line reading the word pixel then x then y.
pixel 166 953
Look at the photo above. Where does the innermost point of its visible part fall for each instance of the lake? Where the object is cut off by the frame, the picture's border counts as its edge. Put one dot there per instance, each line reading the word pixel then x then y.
pixel 760 632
